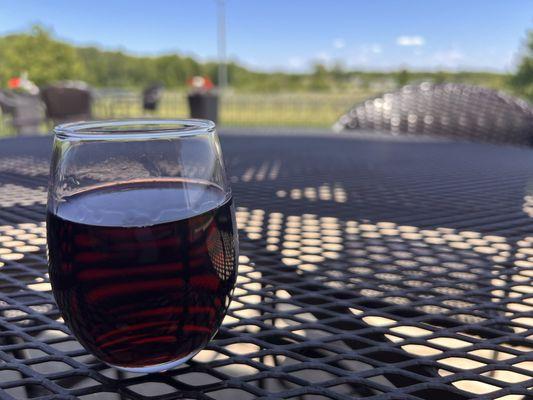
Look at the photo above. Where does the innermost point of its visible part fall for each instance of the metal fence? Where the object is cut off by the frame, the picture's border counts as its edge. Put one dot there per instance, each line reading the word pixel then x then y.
pixel 240 109
pixel 265 110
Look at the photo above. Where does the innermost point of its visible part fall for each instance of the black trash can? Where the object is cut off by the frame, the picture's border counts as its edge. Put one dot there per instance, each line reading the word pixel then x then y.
pixel 152 96
pixel 203 105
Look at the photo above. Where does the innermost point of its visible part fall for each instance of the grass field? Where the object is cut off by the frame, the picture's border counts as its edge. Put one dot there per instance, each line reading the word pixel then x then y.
pixel 277 110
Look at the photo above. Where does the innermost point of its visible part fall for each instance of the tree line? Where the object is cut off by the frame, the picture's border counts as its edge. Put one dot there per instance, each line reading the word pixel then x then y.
pixel 47 59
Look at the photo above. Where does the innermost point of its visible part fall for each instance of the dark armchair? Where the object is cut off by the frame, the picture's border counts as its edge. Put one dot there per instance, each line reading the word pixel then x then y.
pixel 67 102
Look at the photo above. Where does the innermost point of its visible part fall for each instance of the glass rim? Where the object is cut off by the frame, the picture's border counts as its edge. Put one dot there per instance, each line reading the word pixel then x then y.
pixel 133 129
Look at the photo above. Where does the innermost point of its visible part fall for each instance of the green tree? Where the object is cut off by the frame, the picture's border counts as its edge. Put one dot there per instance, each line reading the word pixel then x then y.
pixel 522 81
pixel 402 77
pixel 46 60
pixel 169 70
pixel 37 53
pixel 319 78
pixel 115 68
pixel 441 77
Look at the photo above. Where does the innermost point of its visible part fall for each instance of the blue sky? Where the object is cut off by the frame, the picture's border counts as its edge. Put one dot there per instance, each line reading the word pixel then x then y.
pixel 293 34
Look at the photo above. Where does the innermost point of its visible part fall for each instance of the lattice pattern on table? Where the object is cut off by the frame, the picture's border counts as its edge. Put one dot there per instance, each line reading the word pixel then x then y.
pixel 331 302
pixel 26 165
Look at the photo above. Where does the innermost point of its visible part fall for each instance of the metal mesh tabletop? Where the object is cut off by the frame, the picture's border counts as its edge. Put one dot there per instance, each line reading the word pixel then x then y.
pixel 383 269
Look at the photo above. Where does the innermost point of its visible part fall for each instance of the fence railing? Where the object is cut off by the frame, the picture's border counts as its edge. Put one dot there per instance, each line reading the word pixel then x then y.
pixel 275 110
pixel 241 109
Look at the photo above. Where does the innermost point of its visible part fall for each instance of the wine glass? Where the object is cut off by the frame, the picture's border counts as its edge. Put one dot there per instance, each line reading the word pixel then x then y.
pixel 142 239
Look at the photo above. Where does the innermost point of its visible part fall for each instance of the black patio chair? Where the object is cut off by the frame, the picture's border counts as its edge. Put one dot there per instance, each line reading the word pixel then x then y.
pixel 67 102
pixel 452 110
pixel 26 111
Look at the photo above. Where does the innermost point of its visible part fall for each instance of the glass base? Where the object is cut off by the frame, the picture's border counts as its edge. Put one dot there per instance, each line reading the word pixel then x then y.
pixel 149 369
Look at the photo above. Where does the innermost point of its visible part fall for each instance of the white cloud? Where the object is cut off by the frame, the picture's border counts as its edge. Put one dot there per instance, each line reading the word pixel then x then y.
pixel 339 43
pixel 375 48
pixel 359 60
pixel 295 62
pixel 410 40
pixel 323 57
pixel 364 55
pixel 448 58
pixel 510 60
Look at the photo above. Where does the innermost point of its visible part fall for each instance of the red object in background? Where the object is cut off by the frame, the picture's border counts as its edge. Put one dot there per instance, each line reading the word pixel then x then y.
pixel 201 83
pixel 13 83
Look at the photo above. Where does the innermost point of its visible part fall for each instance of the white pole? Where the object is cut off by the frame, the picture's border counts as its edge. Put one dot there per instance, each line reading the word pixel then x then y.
pixel 222 65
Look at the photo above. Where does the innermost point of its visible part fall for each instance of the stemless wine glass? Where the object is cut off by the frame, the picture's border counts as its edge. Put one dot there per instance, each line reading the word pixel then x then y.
pixel 142 240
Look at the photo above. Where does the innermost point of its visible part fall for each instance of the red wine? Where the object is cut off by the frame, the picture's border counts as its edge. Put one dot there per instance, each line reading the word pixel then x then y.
pixel 143 272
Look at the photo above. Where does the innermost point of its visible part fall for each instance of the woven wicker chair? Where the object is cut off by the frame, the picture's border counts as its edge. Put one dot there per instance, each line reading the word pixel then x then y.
pixel 452 110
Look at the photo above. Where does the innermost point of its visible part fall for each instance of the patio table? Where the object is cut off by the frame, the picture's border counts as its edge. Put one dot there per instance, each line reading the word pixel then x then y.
pixel 380 268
